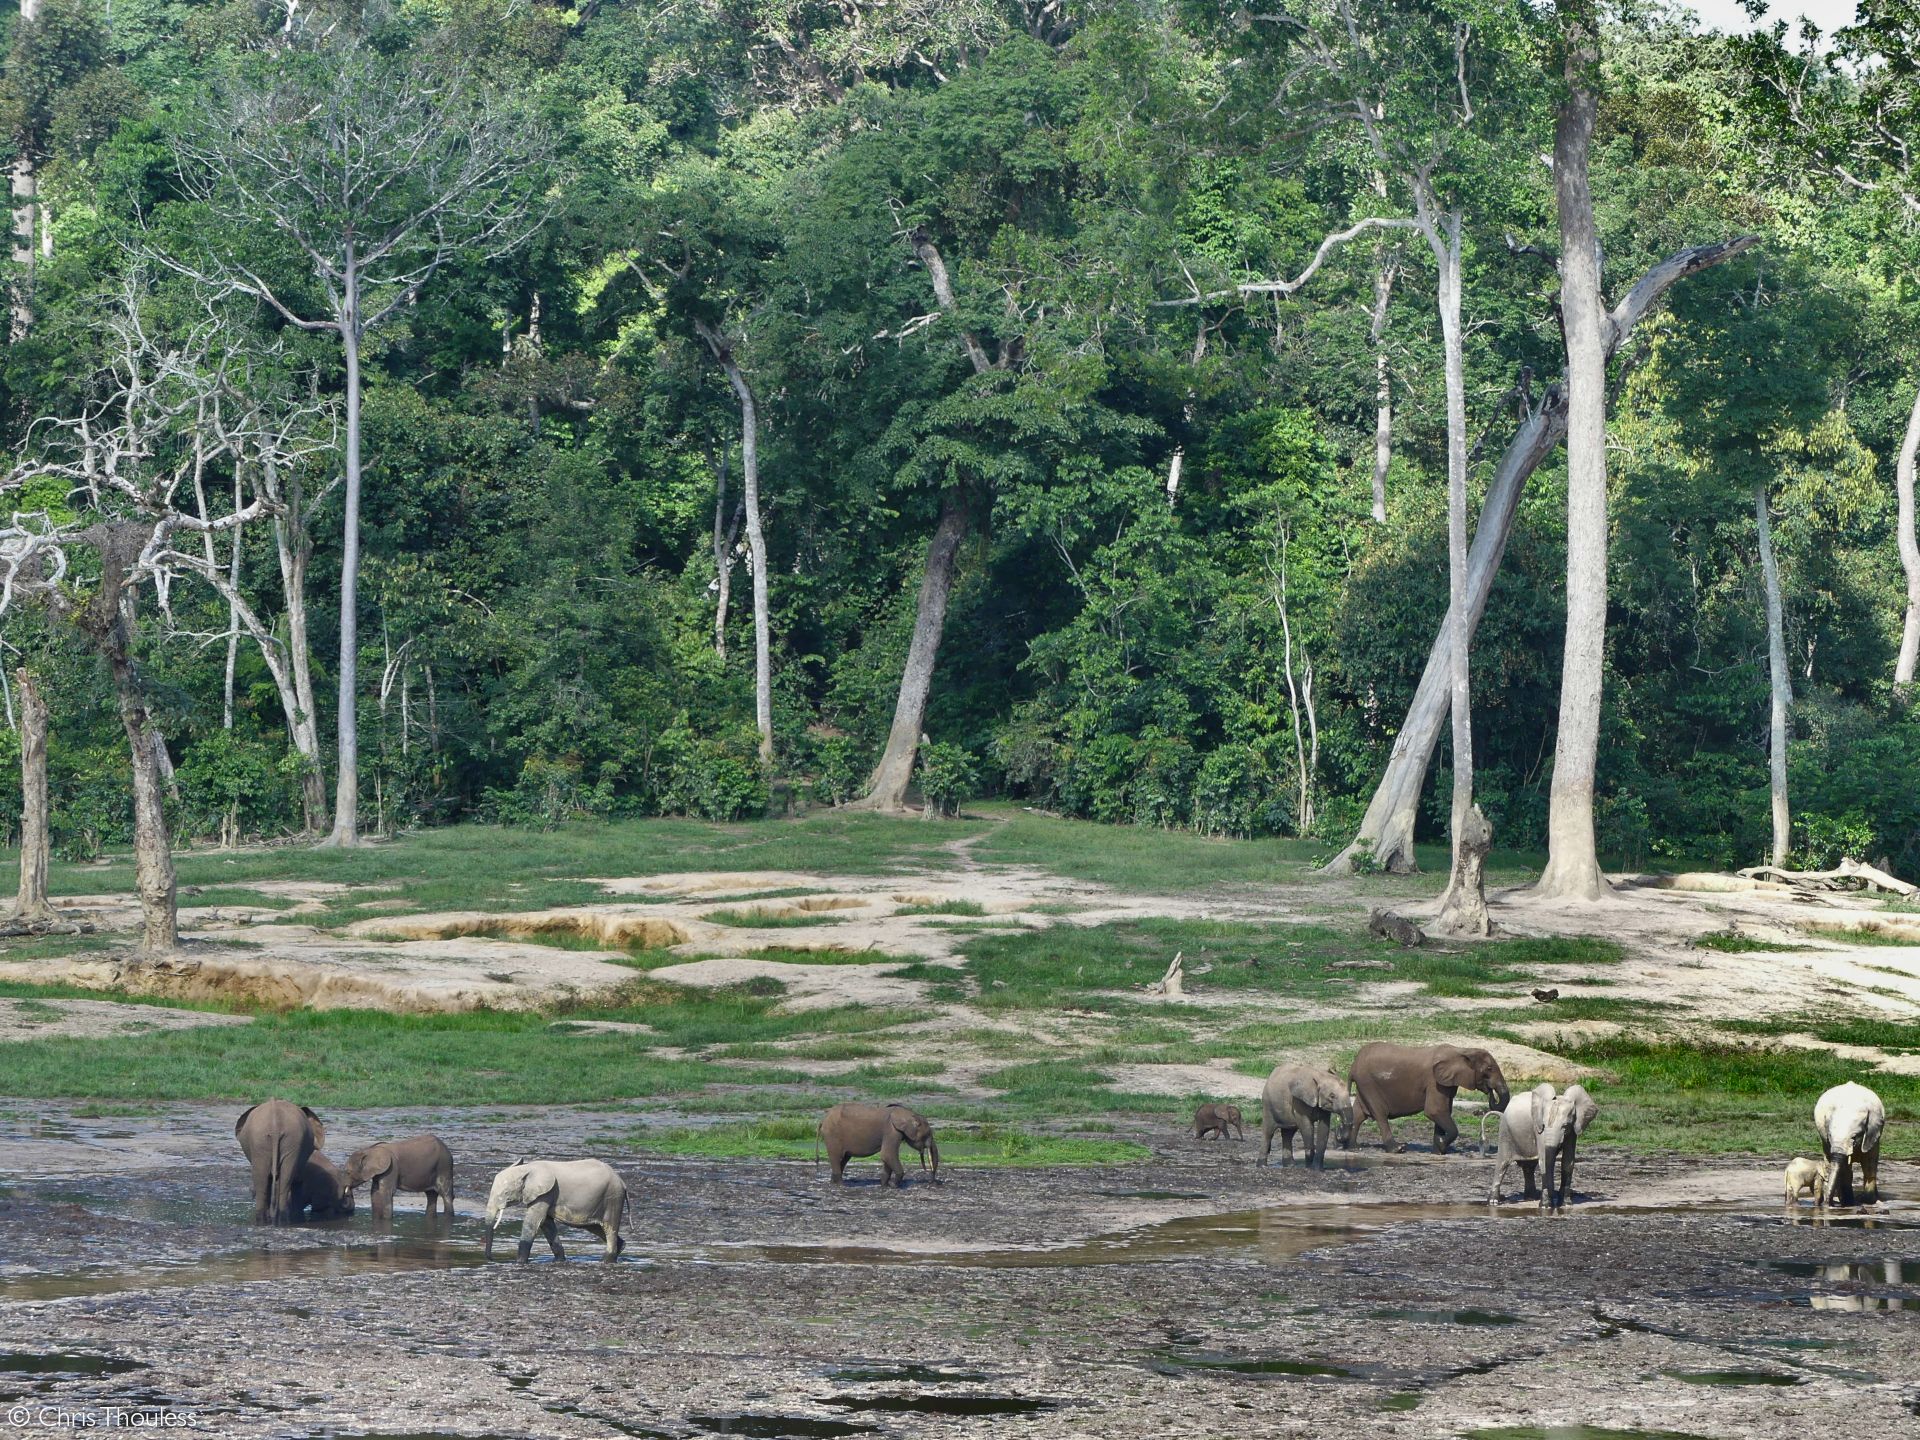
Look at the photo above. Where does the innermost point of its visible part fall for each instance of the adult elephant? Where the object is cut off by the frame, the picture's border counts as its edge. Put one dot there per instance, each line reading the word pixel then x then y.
pixel 1561 1125
pixel 587 1194
pixel 853 1129
pixel 277 1137
pixel 1304 1097
pixel 1397 1080
pixel 1850 1118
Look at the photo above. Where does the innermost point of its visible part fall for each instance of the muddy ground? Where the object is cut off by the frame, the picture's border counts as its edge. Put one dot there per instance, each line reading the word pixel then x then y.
pixel 1190 1294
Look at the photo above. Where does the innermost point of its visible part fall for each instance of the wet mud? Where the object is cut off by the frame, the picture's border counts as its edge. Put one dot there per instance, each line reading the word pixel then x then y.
pixel 1191 1294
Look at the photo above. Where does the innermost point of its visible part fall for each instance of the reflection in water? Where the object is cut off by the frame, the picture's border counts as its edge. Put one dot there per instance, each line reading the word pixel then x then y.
pixel 1888 1271
pixel 242 1267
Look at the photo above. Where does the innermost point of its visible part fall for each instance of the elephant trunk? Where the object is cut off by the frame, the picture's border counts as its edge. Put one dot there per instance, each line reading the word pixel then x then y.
pixel 493 1220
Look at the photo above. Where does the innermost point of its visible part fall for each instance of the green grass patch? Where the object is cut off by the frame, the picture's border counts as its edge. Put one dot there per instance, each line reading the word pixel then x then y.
pixel 944 907
pixel 59 947
pixel 1731 944
pixel 1723 1097
pixel 1846 936
pixel 770 920
pixel 214 896
pixel 795 1139
pixel 1881 1034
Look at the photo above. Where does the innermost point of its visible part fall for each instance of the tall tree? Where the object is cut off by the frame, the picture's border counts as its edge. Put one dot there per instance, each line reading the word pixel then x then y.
pixel 1573 862
pixel 379 173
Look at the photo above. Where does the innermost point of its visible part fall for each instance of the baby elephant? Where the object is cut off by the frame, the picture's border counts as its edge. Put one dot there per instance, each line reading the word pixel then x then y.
pixel 1805 1174
pixel 1304 1098
pixel 1212 1119
pixel 421 1163
pixel 852 1129
pixel 587 1194
pixel 320 1191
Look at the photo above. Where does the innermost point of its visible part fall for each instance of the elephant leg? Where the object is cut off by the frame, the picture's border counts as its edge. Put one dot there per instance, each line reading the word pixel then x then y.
pixel 610 1232
pixel 1502 1160
pixel 1287 1133
pixel 262 1188
pixel 838 1160
pixel 382 1197
pixel 1566 1171
pixel 1870 1175
pixel 1377 1107
pixel 1529 1181
pixel 285 1176
pixel 539 1221
pixel 552 1232
pixel 1266 1138
pixel 1445 1132
pixel 1318 1141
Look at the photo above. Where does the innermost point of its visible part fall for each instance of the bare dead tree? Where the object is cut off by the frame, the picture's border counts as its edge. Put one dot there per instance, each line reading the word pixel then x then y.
pixel 377 172
pixel 32 909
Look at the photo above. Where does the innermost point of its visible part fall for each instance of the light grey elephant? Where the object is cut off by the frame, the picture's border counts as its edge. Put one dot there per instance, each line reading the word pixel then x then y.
pixel 1850 1118
pixel 1304 1097
pixel 588 1194
pixel 1520 1126
pixel 1560 1127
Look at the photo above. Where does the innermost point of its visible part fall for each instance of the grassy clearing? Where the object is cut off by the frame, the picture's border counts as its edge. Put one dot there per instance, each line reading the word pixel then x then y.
pixel 944 907
pixel 795 1139
pixel 1714 1097
pixel 1891 1035
pixel 1849 936
pixel 1731 944
pixel 1042 968
pixel 233 896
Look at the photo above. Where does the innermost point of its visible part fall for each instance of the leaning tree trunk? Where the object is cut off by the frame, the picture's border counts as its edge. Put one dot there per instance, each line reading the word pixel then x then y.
pixel 1573 861
pixel 1463 910
pixel 887 787
pixel 1909 547
pixel 1386 833
pixel 1780 684
pixel 32 907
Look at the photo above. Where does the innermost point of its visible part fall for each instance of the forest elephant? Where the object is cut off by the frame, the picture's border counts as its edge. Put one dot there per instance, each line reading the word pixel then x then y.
pixel 587 1194
pixel 1396 1080
pixel 1212 1119
pixel 418 1164
pixel 852 1130
pixel 1807 1175
pixel 1304 1097
pixel 320 1191
pixel 1519 1144
pixel 1850 1118
pixel 1560 1125
pixel 277 1137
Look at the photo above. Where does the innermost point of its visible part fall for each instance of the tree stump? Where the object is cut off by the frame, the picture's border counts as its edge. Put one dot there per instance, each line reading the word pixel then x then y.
pixel 1464 910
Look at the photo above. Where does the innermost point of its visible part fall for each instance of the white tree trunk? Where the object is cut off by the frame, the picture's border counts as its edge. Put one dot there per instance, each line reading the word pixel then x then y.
pixel 26 217
pixel 346 795
pixel 1573 862
pixel 722 560
pixel 1909 546
pixel 153 875
pixel 887 786
pixel 1780 683
pixel 1386 833
pixel 1383 279
pixel 756 541
pixel 295 549
pixel 31 906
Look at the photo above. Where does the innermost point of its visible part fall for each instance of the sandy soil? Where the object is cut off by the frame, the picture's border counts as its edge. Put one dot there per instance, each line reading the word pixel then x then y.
pixel 1191 1294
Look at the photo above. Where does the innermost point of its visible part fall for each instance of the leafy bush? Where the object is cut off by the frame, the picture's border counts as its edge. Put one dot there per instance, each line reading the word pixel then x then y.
pixel 711 779
pixel 837 769
pixel 949 775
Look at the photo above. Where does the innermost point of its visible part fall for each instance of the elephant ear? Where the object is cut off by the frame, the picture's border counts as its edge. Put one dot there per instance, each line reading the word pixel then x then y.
pixel 1329 1093
pixel 539 1180
pixel 1453 1070
pixel 241 1123
pixel 379 1161
pixel 1585 1111
pixel 319 1127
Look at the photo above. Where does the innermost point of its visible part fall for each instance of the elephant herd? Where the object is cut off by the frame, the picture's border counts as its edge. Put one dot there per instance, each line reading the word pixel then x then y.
pixel 1539 1130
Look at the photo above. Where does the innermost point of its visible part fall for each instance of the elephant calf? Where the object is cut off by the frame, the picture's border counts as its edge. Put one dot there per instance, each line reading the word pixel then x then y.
pixel 1808 1175
pixel 320 1191
pixel 587 1194
pixel 852 1129
pixel 1212 1119
pixel 1304 1097
pixel 1519 1140
pixel 419 1164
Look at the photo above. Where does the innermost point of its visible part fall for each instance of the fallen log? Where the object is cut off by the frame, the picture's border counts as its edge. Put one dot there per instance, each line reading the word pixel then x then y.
pixel 1846 870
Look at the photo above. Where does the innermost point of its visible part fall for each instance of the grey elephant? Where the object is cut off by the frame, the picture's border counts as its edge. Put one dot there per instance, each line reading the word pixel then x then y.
pixel 587 1194
pixel 420 1163
pixel 1304 1097
pixel 1221 1120
pixel 1850 1119
pixel 852 1129
pixel 277 1137
pixel 1560 1127
pixel 1519 1140
pixel 320 1191
pixel 1396 1080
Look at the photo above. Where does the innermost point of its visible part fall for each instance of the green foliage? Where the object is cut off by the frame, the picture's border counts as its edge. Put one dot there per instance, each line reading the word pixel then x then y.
pixel 948 776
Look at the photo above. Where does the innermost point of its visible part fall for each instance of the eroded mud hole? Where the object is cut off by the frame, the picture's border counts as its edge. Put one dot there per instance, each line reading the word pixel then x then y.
pixel 1188 1295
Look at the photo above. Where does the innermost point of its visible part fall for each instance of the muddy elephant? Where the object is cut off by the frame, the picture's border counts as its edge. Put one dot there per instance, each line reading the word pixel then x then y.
pixel 1221 1120
pixel 1810 1176
pixel 418 1164
pixel 587 1194
pixel 321 1192
pixel 852 1129
pixel 1396 1080
pixel 1850 1118
pixel 1560 1126
pixel 1304 1097
pixel 1519 1141
pixel 277 1137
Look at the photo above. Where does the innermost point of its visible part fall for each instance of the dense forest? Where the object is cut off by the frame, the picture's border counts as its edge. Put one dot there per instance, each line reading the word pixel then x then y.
pixel 713 406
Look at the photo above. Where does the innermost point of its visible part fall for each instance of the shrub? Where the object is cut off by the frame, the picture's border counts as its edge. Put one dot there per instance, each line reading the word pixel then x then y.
pixel 949 775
